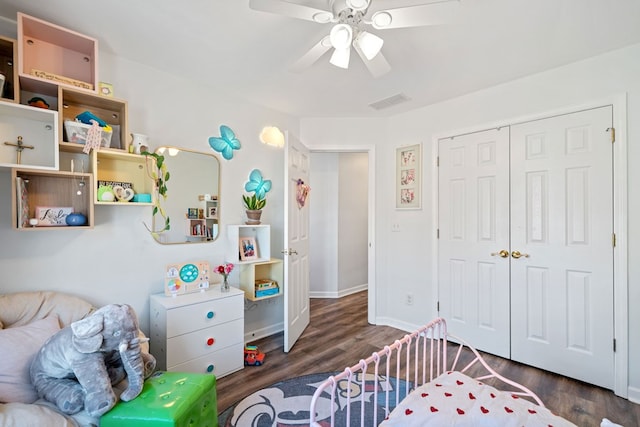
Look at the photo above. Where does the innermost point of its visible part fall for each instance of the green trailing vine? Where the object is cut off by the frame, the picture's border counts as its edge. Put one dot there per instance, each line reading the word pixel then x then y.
pixel 160 175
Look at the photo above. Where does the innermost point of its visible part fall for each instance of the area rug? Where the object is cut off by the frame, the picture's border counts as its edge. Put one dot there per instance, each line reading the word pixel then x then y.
pixel 286 403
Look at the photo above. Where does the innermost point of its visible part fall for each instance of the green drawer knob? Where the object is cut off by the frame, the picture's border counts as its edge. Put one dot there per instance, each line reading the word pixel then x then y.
pixel 210 368
pixel 210 315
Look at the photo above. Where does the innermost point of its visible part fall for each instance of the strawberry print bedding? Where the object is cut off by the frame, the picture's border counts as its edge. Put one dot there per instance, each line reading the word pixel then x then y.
pixel 454 399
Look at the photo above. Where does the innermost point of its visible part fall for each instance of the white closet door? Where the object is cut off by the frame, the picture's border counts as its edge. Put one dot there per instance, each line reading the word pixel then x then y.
pixel 562 218
pixel 473 228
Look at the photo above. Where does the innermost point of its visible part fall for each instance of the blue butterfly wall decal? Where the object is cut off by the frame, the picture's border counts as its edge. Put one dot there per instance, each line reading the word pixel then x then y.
pixel 226 143
pixel 257 184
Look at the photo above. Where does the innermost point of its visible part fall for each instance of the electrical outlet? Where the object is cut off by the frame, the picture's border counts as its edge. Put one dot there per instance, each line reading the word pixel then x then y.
pixel 409 299
pixel 395 227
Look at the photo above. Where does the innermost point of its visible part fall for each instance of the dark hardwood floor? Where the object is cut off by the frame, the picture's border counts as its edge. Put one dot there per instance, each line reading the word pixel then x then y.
pixel 339 335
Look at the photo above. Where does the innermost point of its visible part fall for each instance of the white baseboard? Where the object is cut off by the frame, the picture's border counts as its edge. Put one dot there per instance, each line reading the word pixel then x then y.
pixel 338 294
pixel 395 323
pixel 250 336
pixel 634 394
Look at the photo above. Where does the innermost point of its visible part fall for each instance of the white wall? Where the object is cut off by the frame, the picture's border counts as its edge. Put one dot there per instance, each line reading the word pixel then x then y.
pixel 405 259
pixel 352 222
pixel 338 223
pixel 118 261
pixel 323 220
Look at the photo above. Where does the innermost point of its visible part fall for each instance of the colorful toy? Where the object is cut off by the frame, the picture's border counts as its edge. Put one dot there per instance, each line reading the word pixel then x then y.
pixel 253 356
pixel 106 194
pixel 186 278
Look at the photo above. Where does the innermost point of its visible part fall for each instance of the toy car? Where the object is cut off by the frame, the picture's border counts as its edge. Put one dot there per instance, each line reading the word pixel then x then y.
pixel 253 356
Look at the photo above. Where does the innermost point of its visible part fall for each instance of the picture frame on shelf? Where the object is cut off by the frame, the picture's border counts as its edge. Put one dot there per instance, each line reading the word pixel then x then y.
pixel 192 213
pixel 212 211
pixel 248 248
pixel 408 177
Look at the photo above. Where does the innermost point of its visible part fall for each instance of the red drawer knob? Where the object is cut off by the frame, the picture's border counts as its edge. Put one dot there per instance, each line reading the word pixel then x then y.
pixel 210 341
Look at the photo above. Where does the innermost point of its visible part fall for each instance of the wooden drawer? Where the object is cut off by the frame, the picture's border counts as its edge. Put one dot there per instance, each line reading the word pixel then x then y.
pixel 198 343
pixel 203 315
pixel 219 363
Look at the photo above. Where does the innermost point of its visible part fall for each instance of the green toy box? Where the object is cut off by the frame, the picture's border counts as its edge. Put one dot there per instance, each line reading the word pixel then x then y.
pixel 176 399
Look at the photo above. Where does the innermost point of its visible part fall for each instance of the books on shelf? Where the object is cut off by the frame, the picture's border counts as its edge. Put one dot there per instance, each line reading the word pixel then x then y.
pixel 22 198
pixel 266 287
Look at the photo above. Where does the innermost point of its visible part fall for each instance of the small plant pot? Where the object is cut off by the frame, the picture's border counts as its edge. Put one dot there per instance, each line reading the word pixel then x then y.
pixel 253 217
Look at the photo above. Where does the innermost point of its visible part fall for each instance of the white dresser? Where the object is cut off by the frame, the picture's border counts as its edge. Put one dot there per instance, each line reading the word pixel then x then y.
pixel 199 332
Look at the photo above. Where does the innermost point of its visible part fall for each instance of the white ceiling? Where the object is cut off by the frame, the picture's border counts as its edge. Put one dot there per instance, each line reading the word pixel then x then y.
pixel 224 44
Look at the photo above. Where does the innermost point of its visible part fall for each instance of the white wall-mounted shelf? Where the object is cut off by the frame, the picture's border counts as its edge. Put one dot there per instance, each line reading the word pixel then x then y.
pixel 264 267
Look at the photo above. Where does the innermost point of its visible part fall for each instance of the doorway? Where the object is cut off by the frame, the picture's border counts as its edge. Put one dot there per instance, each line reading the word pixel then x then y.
pixel 341 223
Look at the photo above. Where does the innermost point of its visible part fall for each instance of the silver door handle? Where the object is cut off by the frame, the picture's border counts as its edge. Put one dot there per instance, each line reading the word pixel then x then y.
pixel 290 252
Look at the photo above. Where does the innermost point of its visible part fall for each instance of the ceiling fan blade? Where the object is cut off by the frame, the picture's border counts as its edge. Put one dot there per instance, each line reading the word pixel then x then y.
pixel 378 66
pixel 282 7
pixel 312 55
pixel 436 13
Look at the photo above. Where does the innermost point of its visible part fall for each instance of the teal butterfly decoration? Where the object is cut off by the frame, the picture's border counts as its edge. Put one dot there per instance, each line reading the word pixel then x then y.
pixel 257 184
pixel 226 143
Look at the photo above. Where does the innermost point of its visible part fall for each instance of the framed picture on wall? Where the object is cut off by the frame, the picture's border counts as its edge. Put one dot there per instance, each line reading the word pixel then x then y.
pixel 248 248
pixel 408 177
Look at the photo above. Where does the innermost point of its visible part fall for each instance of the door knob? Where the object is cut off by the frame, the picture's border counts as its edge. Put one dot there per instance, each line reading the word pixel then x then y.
pixel 517 254
pixel 503 253
pixel 289 252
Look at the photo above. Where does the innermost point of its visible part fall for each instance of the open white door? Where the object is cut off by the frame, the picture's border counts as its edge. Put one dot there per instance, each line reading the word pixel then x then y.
pixel 296 239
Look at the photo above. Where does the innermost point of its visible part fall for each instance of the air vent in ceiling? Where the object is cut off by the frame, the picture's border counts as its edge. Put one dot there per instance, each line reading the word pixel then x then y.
pixel 390 102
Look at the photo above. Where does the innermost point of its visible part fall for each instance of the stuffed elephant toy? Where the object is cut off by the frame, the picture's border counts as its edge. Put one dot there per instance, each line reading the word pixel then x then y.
pixel 77 367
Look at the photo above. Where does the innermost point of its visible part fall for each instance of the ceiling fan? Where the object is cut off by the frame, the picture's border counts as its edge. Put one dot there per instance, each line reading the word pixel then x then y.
pixel 350 20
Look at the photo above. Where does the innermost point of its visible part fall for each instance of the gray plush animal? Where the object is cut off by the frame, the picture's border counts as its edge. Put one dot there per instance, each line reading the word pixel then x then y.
pixel 78 365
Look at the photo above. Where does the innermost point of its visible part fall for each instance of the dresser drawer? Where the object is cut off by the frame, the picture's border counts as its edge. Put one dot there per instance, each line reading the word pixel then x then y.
pixel 219 363
pixel 182 320
pixel 198 343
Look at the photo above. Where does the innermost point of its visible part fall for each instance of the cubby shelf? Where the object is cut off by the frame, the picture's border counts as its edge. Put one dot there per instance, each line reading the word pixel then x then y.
pixel 118 166
pixel 249 273
pixel 8 67
pixel 41 45
pixel 52 189
pixel 264 267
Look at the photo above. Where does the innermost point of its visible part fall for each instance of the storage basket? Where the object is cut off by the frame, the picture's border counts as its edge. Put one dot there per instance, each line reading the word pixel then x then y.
pixel 76 132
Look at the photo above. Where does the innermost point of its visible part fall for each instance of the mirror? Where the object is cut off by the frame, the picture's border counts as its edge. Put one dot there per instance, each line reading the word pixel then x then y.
pixel 192 203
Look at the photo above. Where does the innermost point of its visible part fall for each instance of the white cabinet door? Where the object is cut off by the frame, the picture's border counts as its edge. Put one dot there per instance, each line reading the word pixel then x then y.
pixel 473 211
pixel 562 217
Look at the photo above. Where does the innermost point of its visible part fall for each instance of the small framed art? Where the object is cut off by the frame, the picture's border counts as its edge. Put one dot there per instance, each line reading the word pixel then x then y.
pixel 248 248
pixel 212 212
pixel 408 177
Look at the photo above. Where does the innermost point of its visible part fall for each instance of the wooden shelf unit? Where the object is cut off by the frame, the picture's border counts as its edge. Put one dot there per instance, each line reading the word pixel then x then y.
pixel 37 127
pixel 118 166
pixel 9 67
pixel 41 45
pixel 60 66
pixel 265 267
pixel 114 111
pixel 272 269
pixel 54 189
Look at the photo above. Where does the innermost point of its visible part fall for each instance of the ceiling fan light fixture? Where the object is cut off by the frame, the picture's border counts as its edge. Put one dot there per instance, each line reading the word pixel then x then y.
pixel 358 4
pixel 341 36
pixel 340 57
pixel 369 44
pixel 322 17
pixel 381 19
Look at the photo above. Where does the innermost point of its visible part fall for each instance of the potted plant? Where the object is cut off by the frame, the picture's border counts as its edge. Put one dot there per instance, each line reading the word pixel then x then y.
pixel 256 202
pixel 253 207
